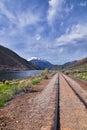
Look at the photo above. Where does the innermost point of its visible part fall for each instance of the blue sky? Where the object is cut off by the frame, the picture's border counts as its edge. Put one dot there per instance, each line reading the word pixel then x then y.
pixel 55 30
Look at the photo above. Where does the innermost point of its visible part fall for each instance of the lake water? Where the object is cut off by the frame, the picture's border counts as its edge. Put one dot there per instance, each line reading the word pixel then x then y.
pixel 10 75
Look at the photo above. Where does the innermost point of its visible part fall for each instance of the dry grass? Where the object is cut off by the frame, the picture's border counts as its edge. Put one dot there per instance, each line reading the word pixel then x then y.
pixel 10 88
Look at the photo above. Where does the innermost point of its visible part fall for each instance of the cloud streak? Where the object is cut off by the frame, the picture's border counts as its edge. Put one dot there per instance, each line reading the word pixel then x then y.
pixel 77 32
pixel 83 4
pixel 20 19
pixel 52 29
pixel 4 11
pixel 55 7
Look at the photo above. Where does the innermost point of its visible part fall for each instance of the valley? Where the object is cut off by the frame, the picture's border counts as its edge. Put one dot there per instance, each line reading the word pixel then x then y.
pixel 54 99
pixel 43 64
pixel 59 103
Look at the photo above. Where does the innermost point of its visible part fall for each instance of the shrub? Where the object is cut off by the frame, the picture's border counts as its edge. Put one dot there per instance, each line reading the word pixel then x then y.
pixel 45 77
pixel 46 70
pixel 3 81
pixel 7 82
pixel 27 87
pixel 36 81
pixel 1 103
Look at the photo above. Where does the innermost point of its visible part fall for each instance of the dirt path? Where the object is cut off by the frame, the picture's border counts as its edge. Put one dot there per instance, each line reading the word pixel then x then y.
pixel 78 89
pixel 36 111
pixel 73 114
pixel 33 111
pixel 82 83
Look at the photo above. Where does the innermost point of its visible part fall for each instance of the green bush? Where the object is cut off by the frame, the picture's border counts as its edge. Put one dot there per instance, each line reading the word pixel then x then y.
pixel 46 70
pixel 27 87
pixel 45 77
pixel 9 88
pixel 1 103
pixel 3 81
pixel 81 75
pixel 6 92
pixel 7 82
pixel 36 81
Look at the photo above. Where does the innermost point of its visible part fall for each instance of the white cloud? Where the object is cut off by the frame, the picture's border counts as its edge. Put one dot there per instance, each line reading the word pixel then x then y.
pixel 37 37
pixel 72 6
pixel 69 9
pixel 4 11
pixel 21 19
pixel 55 7
pixel 83 4
pixel 27 18
pixel 62 23
pixel 61 50
pixel 17 23
pixel 67 30
pixel 76 33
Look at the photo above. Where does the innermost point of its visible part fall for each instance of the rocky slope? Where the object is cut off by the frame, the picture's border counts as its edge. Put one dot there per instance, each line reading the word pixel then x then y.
pixel 79 63
pixel 9 60
pixel 41 63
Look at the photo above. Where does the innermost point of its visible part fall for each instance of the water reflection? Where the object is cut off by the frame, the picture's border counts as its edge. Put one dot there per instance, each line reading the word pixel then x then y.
pixel 10 75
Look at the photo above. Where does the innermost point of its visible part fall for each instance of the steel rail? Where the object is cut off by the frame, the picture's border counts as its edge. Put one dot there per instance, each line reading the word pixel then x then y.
pixel 76 93
pixel 57 112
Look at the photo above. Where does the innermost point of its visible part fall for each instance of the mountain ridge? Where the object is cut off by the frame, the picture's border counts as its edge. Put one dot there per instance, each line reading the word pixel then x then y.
pixel 80 62
pixel 41 63
pixel 9 60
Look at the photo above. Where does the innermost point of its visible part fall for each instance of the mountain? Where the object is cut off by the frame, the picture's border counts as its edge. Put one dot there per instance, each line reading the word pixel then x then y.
pixel 55 67
pixel 9 60
pixel 79 66
pixel 68 64
pixel 58 67
pixel 41 63
pixel 80 63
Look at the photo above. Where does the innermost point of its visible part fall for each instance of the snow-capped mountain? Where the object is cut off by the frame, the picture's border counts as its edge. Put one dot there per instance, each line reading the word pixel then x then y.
pixel 41 63
pixel 34 58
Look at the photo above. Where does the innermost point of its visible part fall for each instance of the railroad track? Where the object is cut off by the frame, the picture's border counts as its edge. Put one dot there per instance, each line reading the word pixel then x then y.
pixel 71 107
pixel 57 113
pixel 76 93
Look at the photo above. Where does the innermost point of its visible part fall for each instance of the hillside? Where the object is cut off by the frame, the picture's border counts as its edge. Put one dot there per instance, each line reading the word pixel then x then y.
pixel 80 63
pixel 9 60
pixel 78 69
pixel 59 67
pixel 42 64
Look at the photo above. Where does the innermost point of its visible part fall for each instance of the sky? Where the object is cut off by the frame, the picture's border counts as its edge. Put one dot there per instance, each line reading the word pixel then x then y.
pixel 54 30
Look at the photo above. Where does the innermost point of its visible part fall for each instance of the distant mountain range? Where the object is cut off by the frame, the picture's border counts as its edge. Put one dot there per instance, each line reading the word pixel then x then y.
pixel 77 67
pixel 79 63
pixel 58 67
pixel 9 60
pixel 41 63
